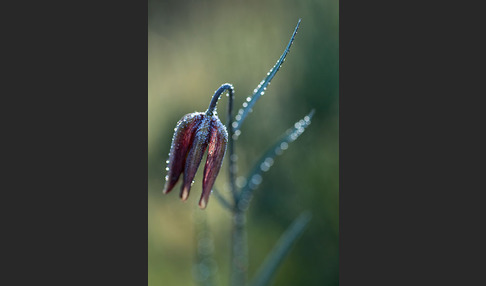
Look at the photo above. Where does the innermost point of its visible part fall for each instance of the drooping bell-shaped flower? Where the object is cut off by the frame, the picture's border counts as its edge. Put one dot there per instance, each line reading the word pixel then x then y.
pixel 195 133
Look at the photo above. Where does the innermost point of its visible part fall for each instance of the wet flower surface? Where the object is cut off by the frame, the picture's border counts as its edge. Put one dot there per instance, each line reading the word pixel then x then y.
pixel 195 133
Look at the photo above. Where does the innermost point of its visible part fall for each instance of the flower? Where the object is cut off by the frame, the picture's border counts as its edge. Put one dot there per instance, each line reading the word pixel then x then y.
pixel 193 134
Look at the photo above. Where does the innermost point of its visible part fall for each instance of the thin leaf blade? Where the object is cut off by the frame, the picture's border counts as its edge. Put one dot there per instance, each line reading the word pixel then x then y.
pixel 275 258
pixel 222 200
pixel 266 161
pixel 260 89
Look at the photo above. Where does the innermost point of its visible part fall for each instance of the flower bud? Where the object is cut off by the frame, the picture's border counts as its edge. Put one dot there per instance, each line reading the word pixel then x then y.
pixel 193 134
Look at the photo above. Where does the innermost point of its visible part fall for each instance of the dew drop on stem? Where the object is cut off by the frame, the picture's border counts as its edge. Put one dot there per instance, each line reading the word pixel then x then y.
pixel 284 146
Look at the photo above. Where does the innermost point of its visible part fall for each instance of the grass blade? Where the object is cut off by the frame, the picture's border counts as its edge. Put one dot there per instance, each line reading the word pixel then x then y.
pixel 266 161
pixel 281 249
pixel 260 89
pixel 222 200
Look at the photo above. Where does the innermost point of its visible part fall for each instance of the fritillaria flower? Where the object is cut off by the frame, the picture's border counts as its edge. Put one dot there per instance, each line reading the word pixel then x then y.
pixel 195 133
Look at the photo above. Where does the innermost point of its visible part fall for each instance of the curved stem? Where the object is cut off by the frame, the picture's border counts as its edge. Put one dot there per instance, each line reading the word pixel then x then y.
pixel 217 95
pixel 231 150
pixel 239 248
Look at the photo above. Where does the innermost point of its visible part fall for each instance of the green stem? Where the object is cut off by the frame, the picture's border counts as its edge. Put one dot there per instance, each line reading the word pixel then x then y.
pixel 204 264
pixel 239 252
pixel 217 95
pixel 231 149
pixel 239 260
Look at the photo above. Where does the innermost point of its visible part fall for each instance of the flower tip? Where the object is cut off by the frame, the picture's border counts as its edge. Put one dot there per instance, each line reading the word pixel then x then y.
pixel 203 203
pixel 167 188
pixel 184 194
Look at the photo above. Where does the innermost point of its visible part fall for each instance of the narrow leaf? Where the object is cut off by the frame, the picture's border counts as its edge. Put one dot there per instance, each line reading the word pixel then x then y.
pixel 222 200
pixel 281 249
pixel 266 161
pixel 260 89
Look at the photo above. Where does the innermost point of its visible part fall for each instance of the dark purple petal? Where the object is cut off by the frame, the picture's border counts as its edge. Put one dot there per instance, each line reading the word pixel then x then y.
pixel 216 151
pixel 196 152
pixel 181 142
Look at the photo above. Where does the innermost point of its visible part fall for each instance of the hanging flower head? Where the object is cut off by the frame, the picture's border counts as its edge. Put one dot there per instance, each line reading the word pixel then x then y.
pixel 193 134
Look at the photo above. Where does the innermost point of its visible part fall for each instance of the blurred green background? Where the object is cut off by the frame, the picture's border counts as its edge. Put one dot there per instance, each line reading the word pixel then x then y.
pixel 193 48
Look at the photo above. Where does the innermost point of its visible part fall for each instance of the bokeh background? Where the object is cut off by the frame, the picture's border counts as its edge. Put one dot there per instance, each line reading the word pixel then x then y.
pixel 193 48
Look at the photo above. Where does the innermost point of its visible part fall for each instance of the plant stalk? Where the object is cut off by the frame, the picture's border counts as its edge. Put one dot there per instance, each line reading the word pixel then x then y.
pixel 239 260
pixel 239 249
pixel 217 95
